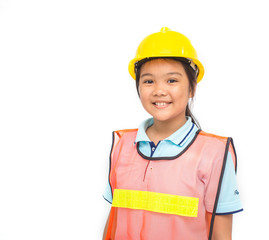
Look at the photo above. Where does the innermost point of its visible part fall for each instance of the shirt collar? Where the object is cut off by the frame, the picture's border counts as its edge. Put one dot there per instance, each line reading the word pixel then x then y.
pixel 141 133
pixel 179 137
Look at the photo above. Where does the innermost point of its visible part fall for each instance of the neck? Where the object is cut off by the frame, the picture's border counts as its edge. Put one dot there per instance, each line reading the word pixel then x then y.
pixel 163 129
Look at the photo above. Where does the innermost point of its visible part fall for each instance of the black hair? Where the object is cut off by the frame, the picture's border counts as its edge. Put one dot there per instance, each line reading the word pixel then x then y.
pixel 191 74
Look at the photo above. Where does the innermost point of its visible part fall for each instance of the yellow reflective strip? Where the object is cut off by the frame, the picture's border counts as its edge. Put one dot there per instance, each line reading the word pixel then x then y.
pixel 156 202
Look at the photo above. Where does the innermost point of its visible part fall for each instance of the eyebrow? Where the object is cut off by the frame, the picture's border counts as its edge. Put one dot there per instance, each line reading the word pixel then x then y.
pixel 146 74
pixel 170 73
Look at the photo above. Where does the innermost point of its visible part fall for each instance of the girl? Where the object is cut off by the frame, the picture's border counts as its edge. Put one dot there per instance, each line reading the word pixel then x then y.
pixel 168 179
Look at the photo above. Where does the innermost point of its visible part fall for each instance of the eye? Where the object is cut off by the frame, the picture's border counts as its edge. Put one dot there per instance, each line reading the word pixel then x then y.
pixel 148 81
pixel 172 81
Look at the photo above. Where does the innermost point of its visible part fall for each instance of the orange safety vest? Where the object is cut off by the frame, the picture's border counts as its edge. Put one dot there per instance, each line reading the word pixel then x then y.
pixel 166 198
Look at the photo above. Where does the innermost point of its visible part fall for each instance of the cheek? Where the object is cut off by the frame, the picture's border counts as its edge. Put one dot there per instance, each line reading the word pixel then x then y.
pixel 144 100
pixel 181 93
pixel 142 96
pixel 143 92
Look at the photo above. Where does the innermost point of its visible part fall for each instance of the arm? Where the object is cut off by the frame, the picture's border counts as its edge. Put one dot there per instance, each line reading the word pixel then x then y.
pixel 223 227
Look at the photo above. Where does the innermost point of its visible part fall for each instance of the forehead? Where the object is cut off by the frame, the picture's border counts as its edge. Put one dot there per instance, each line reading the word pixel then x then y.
pixel 162 65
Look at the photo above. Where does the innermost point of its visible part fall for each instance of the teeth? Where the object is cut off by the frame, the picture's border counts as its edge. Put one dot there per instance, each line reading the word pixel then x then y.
pixel 160 103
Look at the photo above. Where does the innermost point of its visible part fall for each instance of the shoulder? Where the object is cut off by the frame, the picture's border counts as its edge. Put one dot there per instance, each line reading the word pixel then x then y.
pixel 207 135
pixel 124 135
pixel 211 138
pixel 121 133
pixel 214 143
pixel 122 139
pixel 217 144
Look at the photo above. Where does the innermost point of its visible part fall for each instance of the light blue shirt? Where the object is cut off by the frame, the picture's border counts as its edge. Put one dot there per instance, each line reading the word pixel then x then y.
pixel 229 201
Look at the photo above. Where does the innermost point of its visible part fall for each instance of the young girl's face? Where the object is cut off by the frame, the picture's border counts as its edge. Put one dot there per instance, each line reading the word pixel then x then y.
pixel 164 90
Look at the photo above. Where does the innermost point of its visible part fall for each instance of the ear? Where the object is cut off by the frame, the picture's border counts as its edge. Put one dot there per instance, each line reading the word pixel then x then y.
pixel 192 91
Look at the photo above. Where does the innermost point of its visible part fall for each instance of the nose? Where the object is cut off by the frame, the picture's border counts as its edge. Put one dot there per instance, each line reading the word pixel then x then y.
pixel 159 90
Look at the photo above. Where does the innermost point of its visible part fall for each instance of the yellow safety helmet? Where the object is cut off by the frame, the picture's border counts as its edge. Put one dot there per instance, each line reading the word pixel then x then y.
pixel 167 43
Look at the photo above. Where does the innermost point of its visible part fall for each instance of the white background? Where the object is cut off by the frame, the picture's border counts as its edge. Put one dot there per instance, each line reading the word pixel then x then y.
pixel 64 86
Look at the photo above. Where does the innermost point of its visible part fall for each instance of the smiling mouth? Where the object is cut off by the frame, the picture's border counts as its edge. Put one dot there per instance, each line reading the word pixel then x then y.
pixel 161 104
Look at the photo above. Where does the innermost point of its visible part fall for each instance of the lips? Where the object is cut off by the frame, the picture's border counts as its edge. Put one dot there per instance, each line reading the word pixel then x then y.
pixel 161 104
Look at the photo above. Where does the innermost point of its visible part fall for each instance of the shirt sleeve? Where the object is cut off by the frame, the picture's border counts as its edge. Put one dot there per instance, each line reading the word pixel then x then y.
pixel 107 195
pixel 229 199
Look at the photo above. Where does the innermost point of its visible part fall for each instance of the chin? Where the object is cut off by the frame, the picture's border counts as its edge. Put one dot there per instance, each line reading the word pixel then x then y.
pixel 162 119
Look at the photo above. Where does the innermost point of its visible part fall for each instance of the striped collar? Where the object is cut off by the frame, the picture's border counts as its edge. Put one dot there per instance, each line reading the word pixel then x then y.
pixel 179 137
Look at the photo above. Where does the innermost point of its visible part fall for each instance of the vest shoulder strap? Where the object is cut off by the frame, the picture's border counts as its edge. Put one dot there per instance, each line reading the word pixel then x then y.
pixel 213 135
pixel 120 133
